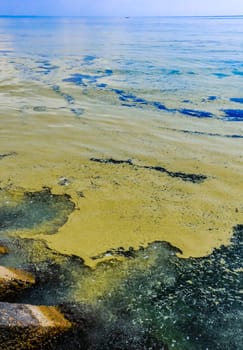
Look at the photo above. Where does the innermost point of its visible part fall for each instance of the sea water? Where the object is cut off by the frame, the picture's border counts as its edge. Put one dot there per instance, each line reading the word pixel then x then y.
pixel 187 65
pixel 123 117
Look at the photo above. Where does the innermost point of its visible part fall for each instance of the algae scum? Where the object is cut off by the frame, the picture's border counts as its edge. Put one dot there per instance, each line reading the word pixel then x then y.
pixel 153 299
pixel 112 145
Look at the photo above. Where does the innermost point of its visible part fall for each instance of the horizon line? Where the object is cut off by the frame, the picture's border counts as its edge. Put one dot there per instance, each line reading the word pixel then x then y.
pixel 120 16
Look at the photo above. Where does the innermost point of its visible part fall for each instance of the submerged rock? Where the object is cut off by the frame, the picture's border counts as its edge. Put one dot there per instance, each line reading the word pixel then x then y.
pixel 12 281
pixel 24 326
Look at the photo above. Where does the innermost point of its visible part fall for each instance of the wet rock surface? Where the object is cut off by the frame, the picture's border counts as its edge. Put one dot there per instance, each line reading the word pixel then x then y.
pixel 25 326
pixel 14 281
pixel 29 327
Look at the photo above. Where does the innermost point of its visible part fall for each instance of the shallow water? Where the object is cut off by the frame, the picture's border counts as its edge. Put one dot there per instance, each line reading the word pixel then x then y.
pixel 117 120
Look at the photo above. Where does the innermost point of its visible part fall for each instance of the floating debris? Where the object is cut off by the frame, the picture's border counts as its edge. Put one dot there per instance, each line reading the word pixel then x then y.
pixel 64 181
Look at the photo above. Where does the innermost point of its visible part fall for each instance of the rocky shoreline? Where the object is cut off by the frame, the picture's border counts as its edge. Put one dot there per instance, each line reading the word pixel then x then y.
pixel 24 326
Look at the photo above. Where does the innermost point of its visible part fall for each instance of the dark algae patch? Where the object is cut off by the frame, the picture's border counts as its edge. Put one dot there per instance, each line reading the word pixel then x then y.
pixel 112 161
pixel 35 210
pixel 194 178
pixel 77 111
pixel 4 155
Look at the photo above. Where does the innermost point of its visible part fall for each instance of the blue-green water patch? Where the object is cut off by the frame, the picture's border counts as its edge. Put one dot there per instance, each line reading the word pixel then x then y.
pixel 86 79
pixel 221 75
pixel 134 101
pixel 195 113
pixel 89 59
pixel 190 304
pixel 237 72
pixel 174 72
pixel 108 72
pixel 81 79
pixel 46 67
pixel 35 210
pixel 101 85
pixel 212 98
pixel 160 106
pixel 233 115
pixel 236 99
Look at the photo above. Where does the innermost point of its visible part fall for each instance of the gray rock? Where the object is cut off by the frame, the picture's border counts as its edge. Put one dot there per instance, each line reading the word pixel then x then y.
pixel 24 326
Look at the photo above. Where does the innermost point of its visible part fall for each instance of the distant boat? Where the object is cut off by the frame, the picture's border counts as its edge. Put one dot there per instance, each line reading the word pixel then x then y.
pixel 127 17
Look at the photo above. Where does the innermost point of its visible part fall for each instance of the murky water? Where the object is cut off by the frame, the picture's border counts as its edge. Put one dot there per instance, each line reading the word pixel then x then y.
pixel 33 210
pixel 118 135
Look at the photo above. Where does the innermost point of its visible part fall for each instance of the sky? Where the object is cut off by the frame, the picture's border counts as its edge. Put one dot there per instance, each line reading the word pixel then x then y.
pixel 120 7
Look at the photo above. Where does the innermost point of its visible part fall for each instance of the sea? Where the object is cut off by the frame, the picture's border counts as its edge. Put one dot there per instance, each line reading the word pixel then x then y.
pixel 121 181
